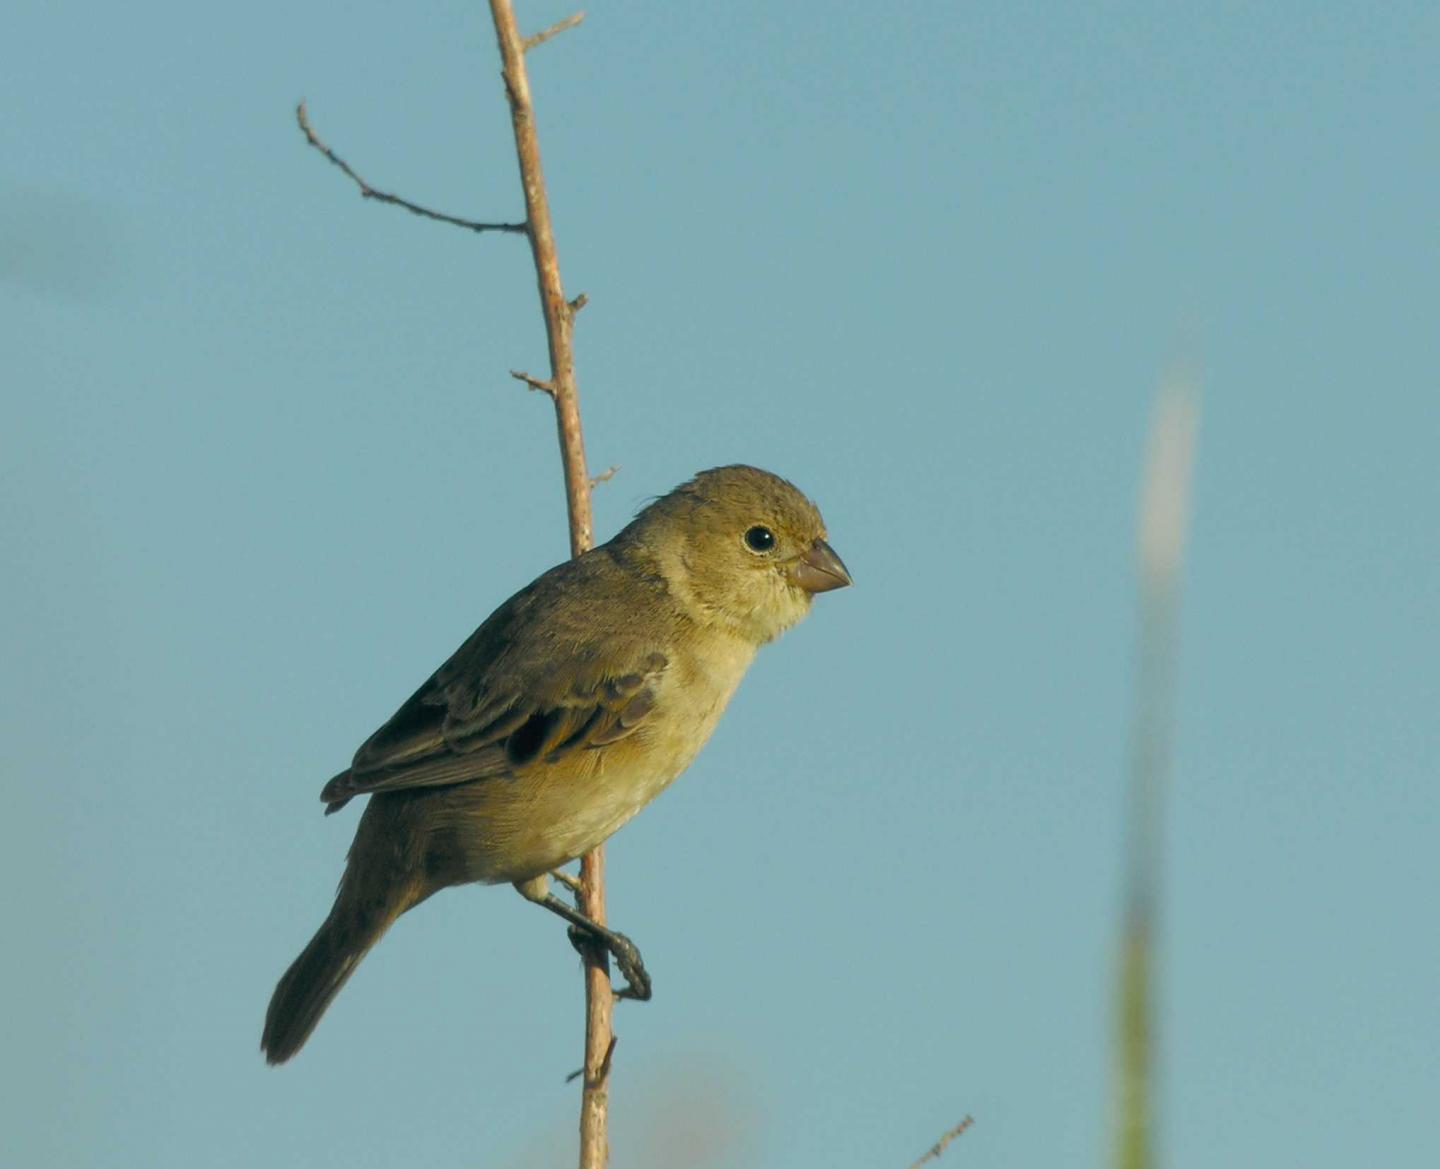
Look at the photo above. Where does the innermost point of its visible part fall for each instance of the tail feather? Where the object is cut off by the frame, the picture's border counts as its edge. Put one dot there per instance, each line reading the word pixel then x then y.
pixel 315 978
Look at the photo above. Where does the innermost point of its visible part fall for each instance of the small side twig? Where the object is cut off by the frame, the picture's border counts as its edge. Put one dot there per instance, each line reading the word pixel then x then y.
pixel 302 116
pixel 534 383
pixel 946 1137
pixel 554 30
pixel 604 1063
pixel 605 476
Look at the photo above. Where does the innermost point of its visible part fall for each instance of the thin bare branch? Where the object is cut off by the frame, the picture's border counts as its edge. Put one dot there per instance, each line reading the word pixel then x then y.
pixel 558 318
pixel 534 383
pixel 302 116
pixel 604 477
pixel 946 1137
pixel 559 326
pixel 554 30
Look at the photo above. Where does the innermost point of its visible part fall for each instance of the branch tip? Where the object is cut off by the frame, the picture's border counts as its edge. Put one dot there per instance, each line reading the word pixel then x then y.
pixel 554 30
pixel 534 383
pixel 579 302
pixel 946 1137
pixel 604 477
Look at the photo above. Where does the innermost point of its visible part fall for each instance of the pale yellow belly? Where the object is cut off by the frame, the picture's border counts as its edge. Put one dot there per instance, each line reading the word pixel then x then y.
pixel 503 829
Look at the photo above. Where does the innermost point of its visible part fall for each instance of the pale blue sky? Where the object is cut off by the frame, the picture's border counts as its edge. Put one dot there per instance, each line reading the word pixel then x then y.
pixel 263 469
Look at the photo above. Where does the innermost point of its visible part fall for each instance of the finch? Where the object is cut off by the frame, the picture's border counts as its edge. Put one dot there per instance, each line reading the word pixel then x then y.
pixel 574 705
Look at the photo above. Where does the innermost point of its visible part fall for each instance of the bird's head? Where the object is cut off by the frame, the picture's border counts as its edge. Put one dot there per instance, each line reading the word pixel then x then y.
pixel 741 548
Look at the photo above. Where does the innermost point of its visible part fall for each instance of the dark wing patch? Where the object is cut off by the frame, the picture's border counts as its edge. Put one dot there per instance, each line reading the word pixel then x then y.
pixel 427 745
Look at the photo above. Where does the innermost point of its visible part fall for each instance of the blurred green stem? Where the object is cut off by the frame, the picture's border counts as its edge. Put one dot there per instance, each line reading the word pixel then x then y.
pixel 1163 522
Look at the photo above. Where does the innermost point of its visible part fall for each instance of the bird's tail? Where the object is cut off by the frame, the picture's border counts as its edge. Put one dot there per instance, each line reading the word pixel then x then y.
pixel 315 978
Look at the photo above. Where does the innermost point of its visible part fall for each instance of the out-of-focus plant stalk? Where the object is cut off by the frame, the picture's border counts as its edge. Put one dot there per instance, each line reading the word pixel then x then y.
pixel 1163 528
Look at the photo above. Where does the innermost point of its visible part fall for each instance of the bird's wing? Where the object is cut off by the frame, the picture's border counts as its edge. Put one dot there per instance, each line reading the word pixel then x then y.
pixel 542 678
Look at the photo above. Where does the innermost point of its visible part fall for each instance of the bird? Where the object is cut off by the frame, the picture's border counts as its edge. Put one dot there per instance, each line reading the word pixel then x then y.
pixel 570 708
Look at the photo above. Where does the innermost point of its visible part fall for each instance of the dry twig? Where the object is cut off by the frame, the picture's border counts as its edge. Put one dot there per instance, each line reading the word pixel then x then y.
pixel 534 383
pixel 554 30
pixel 302 116
pixel 946 1137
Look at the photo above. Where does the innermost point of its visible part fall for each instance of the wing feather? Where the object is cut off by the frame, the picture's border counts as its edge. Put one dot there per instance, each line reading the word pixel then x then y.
pixel 540 679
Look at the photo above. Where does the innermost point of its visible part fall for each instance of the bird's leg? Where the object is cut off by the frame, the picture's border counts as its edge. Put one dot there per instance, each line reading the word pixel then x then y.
pixel 585 933
pixel 571 883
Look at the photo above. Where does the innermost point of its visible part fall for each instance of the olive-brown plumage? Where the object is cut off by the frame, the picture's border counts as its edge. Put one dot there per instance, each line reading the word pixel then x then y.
pixel 576 702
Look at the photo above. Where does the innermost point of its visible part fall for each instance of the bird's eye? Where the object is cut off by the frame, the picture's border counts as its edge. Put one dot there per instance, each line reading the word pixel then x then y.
pixel 759 538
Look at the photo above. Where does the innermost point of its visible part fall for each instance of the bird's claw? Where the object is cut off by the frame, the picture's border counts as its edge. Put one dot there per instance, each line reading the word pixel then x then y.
pixel 632 969
pixel 638 985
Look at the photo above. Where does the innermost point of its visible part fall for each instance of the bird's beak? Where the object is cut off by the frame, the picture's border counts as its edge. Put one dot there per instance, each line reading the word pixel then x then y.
pixel 820 570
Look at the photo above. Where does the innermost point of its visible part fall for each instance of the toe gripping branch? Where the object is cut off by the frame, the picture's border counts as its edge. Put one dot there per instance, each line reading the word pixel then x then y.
pixel 587 936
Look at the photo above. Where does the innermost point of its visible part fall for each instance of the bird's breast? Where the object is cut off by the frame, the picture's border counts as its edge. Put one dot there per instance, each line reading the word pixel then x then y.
pixel 552 813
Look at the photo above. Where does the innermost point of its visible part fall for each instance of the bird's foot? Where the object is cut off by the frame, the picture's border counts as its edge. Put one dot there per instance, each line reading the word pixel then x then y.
pixel 588 939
